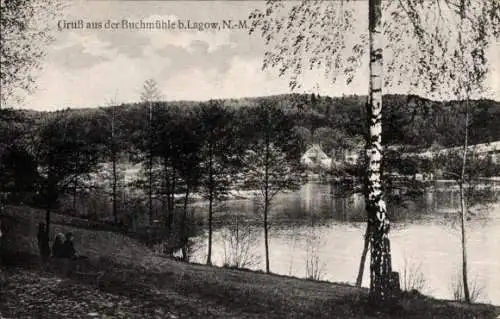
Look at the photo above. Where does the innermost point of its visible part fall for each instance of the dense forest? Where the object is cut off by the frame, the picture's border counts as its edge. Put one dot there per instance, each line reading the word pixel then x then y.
pixel 408 120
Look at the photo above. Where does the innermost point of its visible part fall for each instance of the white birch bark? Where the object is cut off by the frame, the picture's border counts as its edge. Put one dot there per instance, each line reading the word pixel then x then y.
pixel 380 263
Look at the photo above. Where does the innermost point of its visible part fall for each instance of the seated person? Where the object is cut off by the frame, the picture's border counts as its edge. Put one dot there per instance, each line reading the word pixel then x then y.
pixel 68 248
pixel 57 247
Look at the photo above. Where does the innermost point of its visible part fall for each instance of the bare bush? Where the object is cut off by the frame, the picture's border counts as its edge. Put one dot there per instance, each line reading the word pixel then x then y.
pixel 314 266
pixel 188 232
pixel 238 240
pixel 457 289
pixel 412 277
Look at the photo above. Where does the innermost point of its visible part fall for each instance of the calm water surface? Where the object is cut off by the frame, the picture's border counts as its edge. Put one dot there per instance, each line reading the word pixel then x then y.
pixel 315 224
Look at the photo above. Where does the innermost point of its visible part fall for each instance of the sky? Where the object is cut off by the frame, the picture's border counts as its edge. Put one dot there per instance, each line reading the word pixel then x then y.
pixel 92 67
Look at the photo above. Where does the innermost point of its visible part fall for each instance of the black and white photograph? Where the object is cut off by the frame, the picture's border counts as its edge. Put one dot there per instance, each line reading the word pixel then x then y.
pixel 249 159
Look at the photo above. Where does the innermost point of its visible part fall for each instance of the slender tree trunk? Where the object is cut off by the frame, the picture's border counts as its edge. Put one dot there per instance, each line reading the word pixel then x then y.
pixel 210 207
pixel 238 261
pixel 266 235
pixel 150 194
pixel 150 165
pixel 166 179
pixel 168 193
pixel 463 206
pixel 464 245
pixel 50 196
pixel 75 190
pixel 44 238
pixel 113 163
pixel 211 190
pixel 171 203
pixel 367 236
pixel 75 180
pixel 184 231
pixel 266 204
pixel 380 263
pixel 114 195
pixel 47 220
pixel 366 245
pixel 51 189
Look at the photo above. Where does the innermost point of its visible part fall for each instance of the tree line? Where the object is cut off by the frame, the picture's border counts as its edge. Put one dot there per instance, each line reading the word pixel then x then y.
pixel 201 148
pixel 207 149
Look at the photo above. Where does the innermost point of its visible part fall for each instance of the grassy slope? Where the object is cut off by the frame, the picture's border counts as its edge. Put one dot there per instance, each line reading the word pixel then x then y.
pixel 138 284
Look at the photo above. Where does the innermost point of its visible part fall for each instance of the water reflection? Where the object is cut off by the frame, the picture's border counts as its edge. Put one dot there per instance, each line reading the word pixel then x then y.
pixel 315 220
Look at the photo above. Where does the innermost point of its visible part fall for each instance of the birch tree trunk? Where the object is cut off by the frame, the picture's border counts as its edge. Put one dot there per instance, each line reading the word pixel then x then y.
pixel 380 263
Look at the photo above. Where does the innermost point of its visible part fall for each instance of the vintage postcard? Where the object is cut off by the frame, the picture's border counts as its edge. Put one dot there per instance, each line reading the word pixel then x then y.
pixel 250 159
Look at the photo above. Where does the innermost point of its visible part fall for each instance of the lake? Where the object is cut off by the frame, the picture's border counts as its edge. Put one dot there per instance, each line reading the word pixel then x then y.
pixel 315 231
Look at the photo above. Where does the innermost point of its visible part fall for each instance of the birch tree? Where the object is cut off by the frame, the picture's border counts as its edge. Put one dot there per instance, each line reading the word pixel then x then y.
pixel 328 36
pixel 315 34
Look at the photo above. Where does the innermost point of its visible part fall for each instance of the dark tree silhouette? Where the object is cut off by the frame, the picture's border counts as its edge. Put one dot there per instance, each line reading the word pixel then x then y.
pixel 25 32
pixel 271 164
pixel 149 95
pixel 67 150
pixel 217 128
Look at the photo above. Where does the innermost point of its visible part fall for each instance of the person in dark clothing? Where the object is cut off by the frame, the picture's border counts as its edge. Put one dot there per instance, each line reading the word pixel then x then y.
pixel 68 247
pixel 58 246
pixel 43 242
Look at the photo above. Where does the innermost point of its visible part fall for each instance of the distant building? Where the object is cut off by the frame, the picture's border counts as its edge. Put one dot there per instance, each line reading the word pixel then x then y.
pixel 315 158
pixel 348 155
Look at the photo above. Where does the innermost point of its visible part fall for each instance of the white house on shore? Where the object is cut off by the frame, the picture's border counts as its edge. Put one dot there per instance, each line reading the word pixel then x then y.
pixel 314 157
pixel 347 156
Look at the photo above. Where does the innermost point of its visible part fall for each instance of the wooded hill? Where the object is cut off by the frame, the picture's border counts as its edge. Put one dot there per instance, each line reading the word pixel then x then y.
pixel 408 120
